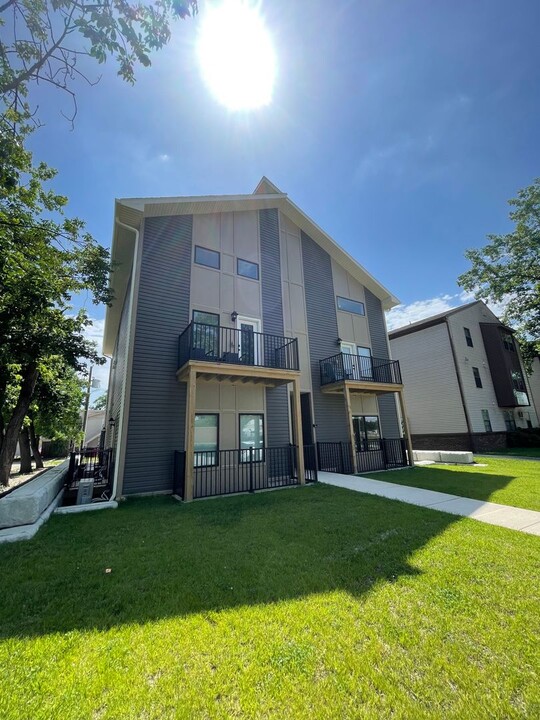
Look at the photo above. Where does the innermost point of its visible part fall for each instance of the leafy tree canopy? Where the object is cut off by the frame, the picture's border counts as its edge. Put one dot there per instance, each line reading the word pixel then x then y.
pixel 508 270
pixel 100 403
pixel 48 42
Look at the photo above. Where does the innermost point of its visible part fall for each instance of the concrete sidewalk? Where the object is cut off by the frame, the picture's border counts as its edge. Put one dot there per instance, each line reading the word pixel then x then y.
pixel 527 521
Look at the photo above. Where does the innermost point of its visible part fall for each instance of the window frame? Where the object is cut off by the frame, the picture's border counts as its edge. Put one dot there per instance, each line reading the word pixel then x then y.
pixel 508 342
pixel 363 436
pixel 248 262
pixel 240 448
pixel 355 302
pixel 209 250
pixel 468 337
pixel 509 421
pixel 477 378
pixel 216 451
pixel 487 421
pixel 206 312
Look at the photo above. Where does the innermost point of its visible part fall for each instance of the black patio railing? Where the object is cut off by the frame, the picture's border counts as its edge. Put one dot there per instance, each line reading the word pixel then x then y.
pixel 91 463
pixel 225 472
pixel 376 454
pixel 212 343
pixel 345 366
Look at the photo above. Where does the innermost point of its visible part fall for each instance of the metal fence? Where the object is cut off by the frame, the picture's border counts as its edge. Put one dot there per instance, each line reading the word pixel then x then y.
pixel 91 463
pixel 225 472
pixel 380 454
pixel 335 457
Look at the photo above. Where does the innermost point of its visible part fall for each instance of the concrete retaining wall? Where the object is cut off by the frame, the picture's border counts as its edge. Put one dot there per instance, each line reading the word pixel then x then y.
pixel 444 456
pixel 25 504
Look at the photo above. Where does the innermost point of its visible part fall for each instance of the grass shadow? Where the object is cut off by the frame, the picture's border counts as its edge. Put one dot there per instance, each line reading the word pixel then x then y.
pixel 155 558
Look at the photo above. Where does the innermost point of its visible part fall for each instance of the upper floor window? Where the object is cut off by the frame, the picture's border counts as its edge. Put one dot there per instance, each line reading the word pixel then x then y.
pixel 477 378
pixel 468 338
pixel 247 269
pixel 508 342
pixel 352 306
pixel 487 421
pixel 209 258
pixel 517 381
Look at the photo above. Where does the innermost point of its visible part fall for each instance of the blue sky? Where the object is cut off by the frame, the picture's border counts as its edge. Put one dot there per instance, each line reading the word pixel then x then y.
pixel 401 128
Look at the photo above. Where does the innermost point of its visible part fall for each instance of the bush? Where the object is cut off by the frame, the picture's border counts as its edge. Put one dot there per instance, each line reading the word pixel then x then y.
pixel 524 438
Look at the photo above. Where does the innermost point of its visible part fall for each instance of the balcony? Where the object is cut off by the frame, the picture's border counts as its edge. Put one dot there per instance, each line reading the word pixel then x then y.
pixel 219 352
pixel 360 373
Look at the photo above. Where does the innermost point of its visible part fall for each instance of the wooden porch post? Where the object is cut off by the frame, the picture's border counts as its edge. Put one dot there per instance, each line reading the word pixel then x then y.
pixel 190 432
pixel 348 410
pixel 298 436
pixel 406 427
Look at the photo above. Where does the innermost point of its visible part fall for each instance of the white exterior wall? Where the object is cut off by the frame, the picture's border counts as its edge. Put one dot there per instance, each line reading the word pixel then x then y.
pixel 484 398
pixel 430 383
pixel 534 386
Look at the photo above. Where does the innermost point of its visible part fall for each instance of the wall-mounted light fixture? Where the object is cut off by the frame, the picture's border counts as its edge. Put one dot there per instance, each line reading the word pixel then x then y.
pixel 112 423
pixel 339 341
pixel 234 315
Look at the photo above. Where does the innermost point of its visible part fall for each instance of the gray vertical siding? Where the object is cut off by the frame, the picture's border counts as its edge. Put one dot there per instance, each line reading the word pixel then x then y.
pixel 118 372
pixel 277 414
pixel 379 347
pixel 158 400
pixel 330 416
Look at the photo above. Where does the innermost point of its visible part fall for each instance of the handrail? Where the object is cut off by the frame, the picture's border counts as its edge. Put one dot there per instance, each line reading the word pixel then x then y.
pixel 346 366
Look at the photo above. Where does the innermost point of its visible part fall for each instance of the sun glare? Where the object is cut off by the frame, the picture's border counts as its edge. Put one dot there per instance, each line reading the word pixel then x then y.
pixel 236 55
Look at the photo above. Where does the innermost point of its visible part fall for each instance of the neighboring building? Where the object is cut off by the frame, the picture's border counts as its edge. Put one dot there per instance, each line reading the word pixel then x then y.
pixel 534 384
pixel 239 330
pixel 464 380
pixel 95 423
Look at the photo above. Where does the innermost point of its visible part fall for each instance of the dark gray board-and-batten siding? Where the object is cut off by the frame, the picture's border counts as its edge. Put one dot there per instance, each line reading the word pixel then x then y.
pixel 157 408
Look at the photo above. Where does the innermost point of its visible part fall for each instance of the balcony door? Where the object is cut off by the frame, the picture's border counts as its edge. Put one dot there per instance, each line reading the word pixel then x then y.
pixel 248 345
pixel 350 360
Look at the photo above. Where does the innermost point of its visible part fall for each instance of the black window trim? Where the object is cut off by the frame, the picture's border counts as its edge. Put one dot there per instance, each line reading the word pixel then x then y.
pixel 240 448
pixel 250 262
pixel 202 264
pixel 477 378
pixel 206 312
pixel 468 337
pixel 216 451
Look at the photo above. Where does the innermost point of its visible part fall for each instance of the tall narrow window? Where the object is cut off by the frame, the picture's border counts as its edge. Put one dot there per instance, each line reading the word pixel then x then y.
pixel 468 338
pixel 205 337
pixel 477 378
pixel 206 440
pixel 509 420
pixel 251 436
pixel 487 421
pixel 365 362
pixel 367 432
pixel 508 342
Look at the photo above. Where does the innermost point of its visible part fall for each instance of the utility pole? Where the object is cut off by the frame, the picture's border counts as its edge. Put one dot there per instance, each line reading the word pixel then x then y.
pixel 87 403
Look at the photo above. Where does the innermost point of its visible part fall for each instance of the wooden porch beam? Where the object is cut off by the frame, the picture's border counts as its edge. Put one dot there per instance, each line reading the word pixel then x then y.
pixel 406 427
pixel 298 436
pixel 348 410
pixel 191 400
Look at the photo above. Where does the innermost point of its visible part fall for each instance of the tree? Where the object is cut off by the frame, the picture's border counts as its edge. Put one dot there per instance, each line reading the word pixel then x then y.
pixel 100 403
pixel 508 270
pixel 45 258
pixel 47 42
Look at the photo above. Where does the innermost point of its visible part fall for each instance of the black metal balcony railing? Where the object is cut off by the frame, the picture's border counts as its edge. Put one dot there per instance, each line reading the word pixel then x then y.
pixel 376 454
pixel 345 366
pixel 212 343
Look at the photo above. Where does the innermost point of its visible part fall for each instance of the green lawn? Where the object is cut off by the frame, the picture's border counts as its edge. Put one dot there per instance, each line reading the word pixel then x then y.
pixel 510 482
pixel 520 452
pixel 302 603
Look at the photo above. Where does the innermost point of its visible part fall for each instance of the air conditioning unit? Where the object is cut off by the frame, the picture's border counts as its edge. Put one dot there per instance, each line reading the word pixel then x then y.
pixel 85 491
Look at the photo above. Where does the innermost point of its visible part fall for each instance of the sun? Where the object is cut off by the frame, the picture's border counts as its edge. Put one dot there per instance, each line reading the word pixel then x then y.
pixel 236 55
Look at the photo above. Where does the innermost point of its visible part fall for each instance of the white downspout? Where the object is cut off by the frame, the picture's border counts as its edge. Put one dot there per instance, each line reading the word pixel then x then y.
pixel 122 426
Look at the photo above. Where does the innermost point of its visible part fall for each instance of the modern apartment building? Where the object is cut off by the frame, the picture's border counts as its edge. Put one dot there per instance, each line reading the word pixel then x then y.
pixel 464 379
pixel 248 349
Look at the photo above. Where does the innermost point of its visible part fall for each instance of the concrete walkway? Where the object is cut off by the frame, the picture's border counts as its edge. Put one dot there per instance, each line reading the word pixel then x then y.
pixel 528 521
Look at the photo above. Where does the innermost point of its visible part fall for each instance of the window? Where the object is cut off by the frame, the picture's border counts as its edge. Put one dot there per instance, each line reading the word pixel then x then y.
pixel 251 436
pixel 367 432
pixel 247 269
pixel 365 362
pixel 209 258
pixel 352 306
pixel 205 340
pixel 477 378
pixel 468 338
pixel 508 342
pixel 487 421
pixel 509 421
pixel 206 440
pixel 520 389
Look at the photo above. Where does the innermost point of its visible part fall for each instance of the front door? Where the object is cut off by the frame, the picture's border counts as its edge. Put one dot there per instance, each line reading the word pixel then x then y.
pixel 349 360
pixel 248 340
